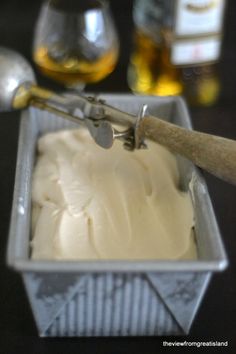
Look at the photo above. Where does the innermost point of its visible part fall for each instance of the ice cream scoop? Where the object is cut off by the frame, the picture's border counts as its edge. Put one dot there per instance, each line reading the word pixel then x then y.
pixel 18 90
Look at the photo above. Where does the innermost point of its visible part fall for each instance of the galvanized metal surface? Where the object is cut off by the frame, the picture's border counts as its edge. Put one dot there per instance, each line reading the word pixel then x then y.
pixel 115 304
pixel 115 298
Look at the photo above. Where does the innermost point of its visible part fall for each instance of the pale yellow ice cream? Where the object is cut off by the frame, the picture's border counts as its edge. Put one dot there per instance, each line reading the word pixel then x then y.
pixel 92 203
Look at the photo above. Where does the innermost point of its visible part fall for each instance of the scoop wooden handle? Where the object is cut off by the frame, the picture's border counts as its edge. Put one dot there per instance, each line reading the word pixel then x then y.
pixel 215 154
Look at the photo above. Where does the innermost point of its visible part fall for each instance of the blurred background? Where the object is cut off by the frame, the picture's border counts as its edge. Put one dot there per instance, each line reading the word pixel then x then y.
pixel 216 319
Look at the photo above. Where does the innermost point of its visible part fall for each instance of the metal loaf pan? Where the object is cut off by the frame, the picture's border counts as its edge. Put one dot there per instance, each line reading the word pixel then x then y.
pixel 113 298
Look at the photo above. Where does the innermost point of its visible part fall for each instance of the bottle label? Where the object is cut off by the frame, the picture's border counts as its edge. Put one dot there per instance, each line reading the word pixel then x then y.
pixel 197 51
pixel 197 28
pixel 197 17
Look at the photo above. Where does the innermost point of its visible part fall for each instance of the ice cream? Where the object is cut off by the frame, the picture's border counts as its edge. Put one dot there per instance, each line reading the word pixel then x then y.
pixel 92 203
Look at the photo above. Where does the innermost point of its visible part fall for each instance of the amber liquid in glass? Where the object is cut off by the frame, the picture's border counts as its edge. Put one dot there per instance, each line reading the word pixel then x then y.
pixel 73 70
pixel 151 72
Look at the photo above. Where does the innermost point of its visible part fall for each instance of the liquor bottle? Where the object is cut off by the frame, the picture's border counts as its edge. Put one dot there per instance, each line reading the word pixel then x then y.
pixel 177 46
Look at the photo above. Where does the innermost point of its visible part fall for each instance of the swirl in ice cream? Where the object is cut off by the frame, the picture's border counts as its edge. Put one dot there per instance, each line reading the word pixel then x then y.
pixel 92 203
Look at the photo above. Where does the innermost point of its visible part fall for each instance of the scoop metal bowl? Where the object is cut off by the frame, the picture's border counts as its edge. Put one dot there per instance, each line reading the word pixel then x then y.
pixel 14 72
pixel 215 154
